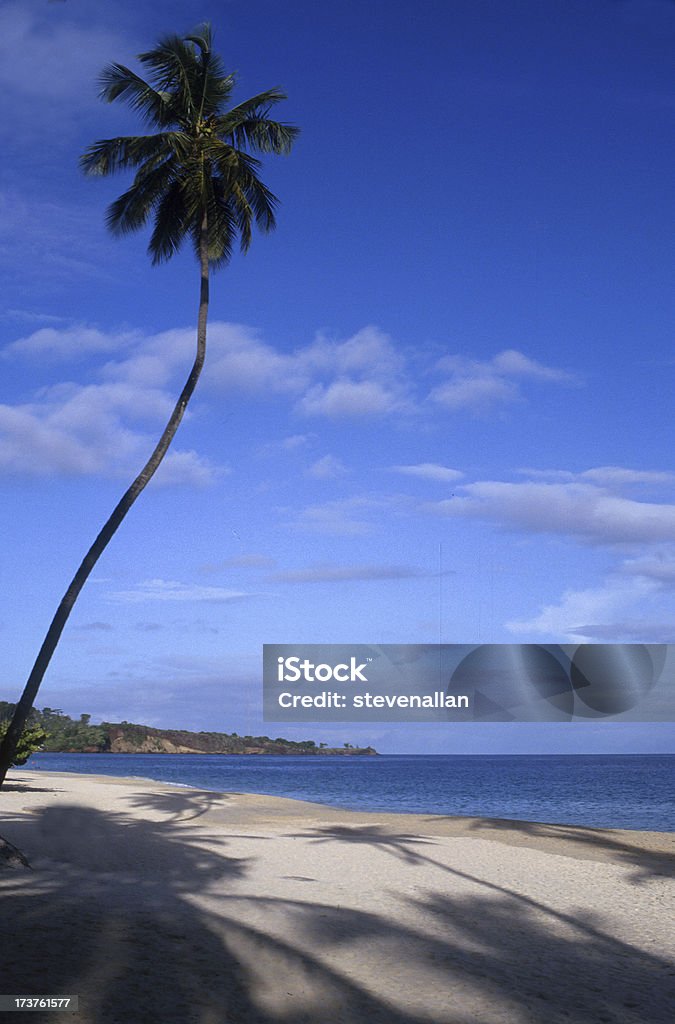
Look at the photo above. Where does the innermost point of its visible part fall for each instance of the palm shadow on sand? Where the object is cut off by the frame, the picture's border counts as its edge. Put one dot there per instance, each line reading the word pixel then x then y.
pixel 531 956
pixel 647 863
pixel 182 804
pixel 113 919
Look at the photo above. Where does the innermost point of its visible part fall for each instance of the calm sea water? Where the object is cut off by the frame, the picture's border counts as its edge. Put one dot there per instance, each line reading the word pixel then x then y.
pixel 603 791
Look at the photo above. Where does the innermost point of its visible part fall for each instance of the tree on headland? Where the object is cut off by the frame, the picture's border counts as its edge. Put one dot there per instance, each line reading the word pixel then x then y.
pixel 31 739
pixel 197 179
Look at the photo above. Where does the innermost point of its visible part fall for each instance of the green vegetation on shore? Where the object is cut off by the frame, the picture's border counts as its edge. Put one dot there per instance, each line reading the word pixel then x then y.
pixel 63 734
pixel 31 739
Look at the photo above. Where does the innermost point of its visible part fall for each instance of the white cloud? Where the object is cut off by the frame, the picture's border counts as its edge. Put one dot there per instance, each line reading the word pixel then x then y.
pixel 287 445
pixel 627 631
pixel 359 376
pixel 34 443
pixel 76 430
pixel 350 398
pixel 480 386
pixel 476 393
pixel 171 590
pixel 295 441
pixel 239 360
pixel 563 475
pixel 574 509
pixel 509 363
pixel 512 363
pixel 347 517
pixel 569 504
pixel 568 620
pixel 69 342
pixel 32 316
pixel 430 471
pixel 188 468
pixel 617 476
pixel 611 477
pixel 327 468
pixel 93 427
pixel 659 566
pixel 370 349
pixel 155 359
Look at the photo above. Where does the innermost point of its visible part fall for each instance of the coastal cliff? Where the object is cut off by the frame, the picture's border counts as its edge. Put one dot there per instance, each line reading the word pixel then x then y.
pixel 78 736
pixel 142 739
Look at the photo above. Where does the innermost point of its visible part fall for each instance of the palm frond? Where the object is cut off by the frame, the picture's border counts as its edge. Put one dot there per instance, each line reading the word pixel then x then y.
pixel 202 35
pixel 243 215
pixel 216 85
pixel 217 89
pixel 174 68
pixel 238 171
pixel 228 159
pixel 257 106
pixel 171 222
pixel 108 156
pixel 132 209
pixel 262 201
pixel 201 164
pixel 118 81
pixel 248 125
pixel 222 227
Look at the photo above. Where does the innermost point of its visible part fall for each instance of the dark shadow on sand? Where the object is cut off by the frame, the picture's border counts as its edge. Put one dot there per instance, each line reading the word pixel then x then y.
pixel 11 787
pixel 181 805
pixel 403 845
pixel 126 937
pixel 647 863
pixel 573 969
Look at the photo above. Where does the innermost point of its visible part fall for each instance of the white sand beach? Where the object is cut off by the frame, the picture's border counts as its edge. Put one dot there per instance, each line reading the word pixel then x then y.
pixel 165 904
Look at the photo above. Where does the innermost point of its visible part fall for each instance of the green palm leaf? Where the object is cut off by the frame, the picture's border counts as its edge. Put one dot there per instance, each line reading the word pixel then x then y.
pixel 202 150
pixel 118 81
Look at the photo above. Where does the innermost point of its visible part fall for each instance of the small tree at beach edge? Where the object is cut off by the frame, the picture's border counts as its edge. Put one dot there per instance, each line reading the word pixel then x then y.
pixel 197 178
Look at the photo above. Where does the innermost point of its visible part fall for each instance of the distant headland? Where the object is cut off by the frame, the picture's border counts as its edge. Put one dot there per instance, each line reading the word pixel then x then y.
pixel 78 736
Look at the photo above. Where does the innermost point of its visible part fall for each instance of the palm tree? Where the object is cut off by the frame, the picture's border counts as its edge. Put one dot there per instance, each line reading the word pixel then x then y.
pixel 196 176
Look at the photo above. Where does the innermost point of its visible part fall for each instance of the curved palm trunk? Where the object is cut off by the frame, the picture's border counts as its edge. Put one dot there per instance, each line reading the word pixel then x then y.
pixel 23 708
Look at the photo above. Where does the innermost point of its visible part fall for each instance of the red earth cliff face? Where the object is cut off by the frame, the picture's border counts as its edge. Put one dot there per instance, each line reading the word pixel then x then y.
pixel 146 740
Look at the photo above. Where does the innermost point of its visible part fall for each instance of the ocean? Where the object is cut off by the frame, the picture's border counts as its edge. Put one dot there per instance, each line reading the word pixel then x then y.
pixel 632 791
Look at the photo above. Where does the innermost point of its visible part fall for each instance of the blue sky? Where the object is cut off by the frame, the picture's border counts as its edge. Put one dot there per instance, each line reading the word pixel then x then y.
pixel 437 401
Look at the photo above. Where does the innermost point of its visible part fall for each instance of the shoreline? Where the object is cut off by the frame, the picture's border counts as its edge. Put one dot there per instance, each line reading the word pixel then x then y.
pixel 251 809
pixel 602 822
pixel 171 903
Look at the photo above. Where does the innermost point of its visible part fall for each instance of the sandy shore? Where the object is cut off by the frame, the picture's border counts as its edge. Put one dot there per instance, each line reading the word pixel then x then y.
pixel 162 904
